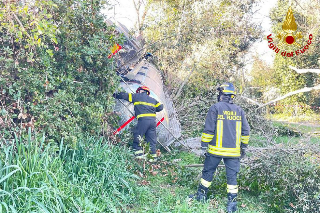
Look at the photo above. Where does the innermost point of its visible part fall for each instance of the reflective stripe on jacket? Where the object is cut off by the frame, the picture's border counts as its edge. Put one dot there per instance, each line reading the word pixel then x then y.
pixel 144 105
pixel 226 130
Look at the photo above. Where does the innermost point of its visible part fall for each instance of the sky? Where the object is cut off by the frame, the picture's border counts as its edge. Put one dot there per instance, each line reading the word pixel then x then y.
pixel 123 12
pixel 261 47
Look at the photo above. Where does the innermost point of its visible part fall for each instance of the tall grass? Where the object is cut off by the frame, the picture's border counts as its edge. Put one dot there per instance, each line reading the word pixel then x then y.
pixel 39 177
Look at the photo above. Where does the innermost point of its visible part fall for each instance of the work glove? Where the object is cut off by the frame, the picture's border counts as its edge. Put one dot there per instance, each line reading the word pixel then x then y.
pixel 243 153
pixel 203 151
pixel 204 147
pixel 114 95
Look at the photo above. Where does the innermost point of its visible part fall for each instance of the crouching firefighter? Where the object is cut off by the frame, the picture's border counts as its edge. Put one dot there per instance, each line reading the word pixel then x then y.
pixel 225 136
pixel 145 108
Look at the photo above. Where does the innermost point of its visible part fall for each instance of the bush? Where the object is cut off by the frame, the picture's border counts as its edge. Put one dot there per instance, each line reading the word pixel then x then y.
pixel 285 182
pixel 63 83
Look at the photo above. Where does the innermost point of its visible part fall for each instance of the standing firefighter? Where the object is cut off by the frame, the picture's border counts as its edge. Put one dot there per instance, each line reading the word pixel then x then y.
pixel 145 108
pixel 225 136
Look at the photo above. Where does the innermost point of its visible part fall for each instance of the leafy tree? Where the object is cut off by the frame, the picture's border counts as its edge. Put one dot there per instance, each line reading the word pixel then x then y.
pixel 262 74
pixel 198 45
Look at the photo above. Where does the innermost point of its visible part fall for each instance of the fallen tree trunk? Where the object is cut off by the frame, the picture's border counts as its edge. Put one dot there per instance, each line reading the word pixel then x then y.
pixel 306 89
pixel 250 100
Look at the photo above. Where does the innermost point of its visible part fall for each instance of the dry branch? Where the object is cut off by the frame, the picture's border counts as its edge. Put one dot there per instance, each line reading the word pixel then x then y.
pixel 182 85
pixel 21 25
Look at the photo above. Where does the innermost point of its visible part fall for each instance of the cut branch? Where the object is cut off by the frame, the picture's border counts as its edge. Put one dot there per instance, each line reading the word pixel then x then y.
pixel 306 89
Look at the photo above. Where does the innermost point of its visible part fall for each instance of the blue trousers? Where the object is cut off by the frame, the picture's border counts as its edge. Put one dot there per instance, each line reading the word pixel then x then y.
pixel 146 127
pixel 211 163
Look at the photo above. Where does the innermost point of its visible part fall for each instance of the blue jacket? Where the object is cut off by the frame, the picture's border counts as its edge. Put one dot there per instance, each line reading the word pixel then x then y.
pixel 226 129
pixel 144 105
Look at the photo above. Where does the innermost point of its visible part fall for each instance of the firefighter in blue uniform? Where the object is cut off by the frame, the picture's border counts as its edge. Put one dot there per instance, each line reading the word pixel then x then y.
pixel 145 108
pixel 225 136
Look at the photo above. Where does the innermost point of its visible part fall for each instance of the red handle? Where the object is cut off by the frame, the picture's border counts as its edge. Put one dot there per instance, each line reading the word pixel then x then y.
pixel 162 119
pixel 128 121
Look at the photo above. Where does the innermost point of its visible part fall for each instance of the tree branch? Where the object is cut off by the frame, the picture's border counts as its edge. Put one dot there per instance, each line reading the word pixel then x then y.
pixel 21 25
pixel 137 8
pixel 182 85
pixel 305 70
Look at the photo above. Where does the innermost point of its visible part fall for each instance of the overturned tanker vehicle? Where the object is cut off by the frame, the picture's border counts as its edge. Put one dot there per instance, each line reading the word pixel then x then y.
pixel 135 70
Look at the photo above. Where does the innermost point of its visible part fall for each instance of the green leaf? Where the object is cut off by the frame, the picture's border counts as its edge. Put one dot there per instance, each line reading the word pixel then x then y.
pixel 11 173
pixel 50 52
pixel 25 9
pixel 54 39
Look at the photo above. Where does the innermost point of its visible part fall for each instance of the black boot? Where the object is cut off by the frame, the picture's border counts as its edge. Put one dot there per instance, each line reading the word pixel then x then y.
pixel 232 202
pixel 201 194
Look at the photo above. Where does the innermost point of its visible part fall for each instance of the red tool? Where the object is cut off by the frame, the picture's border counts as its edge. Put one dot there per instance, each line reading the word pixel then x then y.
pixel 123 125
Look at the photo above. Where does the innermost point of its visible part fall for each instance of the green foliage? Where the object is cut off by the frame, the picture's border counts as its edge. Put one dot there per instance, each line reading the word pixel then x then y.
pixel 286 182
pixel 195 35
pixel 263 83
pixel 39 177
pixel 28 29
pixel 62 82
pixel 96 177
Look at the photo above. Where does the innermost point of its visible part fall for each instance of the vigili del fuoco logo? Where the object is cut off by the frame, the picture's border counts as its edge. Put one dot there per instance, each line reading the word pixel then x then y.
pixel 289 37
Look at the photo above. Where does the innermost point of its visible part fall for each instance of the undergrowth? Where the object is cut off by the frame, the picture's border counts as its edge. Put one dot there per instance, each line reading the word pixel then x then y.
pixel 97 176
